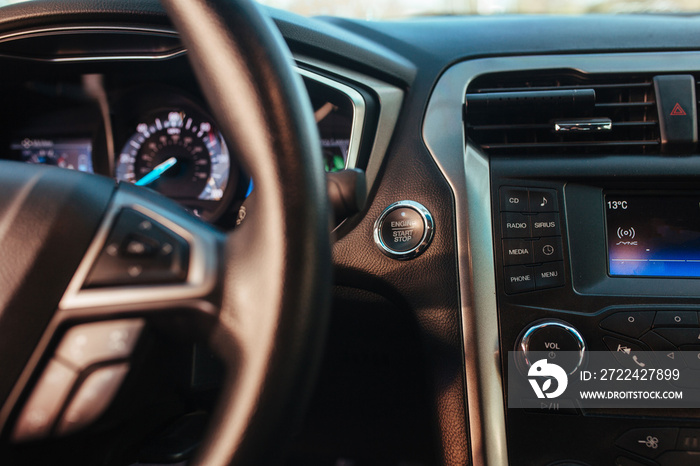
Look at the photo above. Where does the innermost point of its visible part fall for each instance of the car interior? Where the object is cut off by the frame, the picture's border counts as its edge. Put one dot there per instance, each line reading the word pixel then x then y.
pixel 232 234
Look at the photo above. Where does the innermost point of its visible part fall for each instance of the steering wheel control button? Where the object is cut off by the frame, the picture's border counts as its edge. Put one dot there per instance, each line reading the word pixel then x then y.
pixel 519 279
pixel 556 341
pixel 404 230
pixel 546 224
pixel 39 414
pixel 92 398
pixel 649 442
pixel 515 225
pixel 676 319
pixel 543 200
pixel 514 199
pixel 140 251
pixel 676 104
pixel 632 324
pixel 97 342
pixel 550 275
pixel 517 252
pixel 548 249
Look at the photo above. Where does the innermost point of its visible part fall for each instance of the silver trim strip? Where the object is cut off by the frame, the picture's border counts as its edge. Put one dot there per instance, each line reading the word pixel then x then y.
pixel 467 171
pixel 201 276
pixel 583 126
pixel 358 114
pixel 97 29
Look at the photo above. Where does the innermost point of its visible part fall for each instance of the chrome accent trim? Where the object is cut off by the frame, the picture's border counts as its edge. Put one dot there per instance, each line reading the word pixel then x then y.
pixel 358 111
pixel 201 276
pixel 583 125
pixel 390 101
pixel 97 29
pixel 524 344
pixel 467 172
pixel 428 231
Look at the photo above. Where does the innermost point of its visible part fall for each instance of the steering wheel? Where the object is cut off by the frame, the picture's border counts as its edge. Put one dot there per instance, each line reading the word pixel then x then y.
pixel 87 264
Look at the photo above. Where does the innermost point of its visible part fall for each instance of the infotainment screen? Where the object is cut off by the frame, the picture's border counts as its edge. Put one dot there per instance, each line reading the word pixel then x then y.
pixel 653 235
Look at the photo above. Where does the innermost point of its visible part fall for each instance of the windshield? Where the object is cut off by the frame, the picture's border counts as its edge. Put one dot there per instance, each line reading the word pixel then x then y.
pixel 393 9
pixel 380 9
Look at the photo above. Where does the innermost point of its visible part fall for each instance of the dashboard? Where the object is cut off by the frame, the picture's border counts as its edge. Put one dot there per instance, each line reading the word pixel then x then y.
pixel 160 135
pixel 531 187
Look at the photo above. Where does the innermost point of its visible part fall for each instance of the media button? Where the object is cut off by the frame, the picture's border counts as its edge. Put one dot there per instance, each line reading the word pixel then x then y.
pixel 543 200
pixel 515 225
pixel 514 199
pixel 519 279
pixel 517 252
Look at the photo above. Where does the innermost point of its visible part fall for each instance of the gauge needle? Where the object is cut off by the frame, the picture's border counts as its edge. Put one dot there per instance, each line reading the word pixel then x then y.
pixel 156 172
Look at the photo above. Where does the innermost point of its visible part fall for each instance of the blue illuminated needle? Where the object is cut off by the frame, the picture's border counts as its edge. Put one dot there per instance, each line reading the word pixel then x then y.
pixel 157 172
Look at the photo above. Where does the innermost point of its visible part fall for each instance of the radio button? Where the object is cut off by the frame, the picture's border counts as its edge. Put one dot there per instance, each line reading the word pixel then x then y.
pixel 549 275
pixel 514 199
pixel 676 319
pixel 548 250
pixel 515 225
pixel 543 200
pixel 632 324
pixel 517 252
pixel 546 225
pixel 519 279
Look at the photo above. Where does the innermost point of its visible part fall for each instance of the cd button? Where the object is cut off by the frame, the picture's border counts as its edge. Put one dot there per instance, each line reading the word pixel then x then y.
pixel 517 252
pixel 515 225
pixel 514 199
pixel 632 324
pixel 676 319
pixel 548 249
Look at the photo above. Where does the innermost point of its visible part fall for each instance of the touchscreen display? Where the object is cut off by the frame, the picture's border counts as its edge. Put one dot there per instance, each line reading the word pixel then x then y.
pixel 653 235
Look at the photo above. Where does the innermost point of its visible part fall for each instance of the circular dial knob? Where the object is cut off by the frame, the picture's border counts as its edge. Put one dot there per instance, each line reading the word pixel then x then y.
pixel 554 340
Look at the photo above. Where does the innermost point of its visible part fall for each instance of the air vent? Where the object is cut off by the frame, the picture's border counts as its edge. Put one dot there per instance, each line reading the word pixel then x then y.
pixel 562 113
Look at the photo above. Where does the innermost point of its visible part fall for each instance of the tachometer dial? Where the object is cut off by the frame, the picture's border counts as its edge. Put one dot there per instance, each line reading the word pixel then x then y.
pixel 180 155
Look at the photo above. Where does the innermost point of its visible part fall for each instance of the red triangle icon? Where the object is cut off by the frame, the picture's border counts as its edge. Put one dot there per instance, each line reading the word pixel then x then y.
pixel 677 110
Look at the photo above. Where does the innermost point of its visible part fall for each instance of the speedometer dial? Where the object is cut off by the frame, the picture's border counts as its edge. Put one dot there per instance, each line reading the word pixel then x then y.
pixel 180 155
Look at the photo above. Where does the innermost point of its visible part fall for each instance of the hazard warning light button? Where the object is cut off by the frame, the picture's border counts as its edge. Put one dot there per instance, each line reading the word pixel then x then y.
pixel 678 121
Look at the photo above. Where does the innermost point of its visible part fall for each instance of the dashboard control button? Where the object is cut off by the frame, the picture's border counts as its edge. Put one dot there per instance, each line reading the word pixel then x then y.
pixel 517 252
pixel 558 406
pixel 553 340
pixel 666 352
pixel 543 200
pixel 624 461
pixel 45 402
pixel 676 103
pixel 549 275
pixel 514 199
pixel 648 442
pixel 548 249
pixel 96 342
pixel 516 225
pixel 630 355
pixel 691 355
pixel 140 251
pixel 676 319
pixel 519 279
pixel 404 230
pixel 92 398
pixel 546 224
pixel 688 440
pixel 629 323
pixel 679 458
pixel 680 336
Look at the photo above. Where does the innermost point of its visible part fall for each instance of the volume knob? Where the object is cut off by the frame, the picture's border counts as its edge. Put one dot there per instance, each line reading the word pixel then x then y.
pixel 554 340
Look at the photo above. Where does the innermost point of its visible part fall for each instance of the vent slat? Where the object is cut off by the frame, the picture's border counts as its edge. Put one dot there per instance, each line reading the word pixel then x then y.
pixel 628 104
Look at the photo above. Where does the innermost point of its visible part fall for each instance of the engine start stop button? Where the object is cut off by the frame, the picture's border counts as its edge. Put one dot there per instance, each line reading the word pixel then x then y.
pixel 404 230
